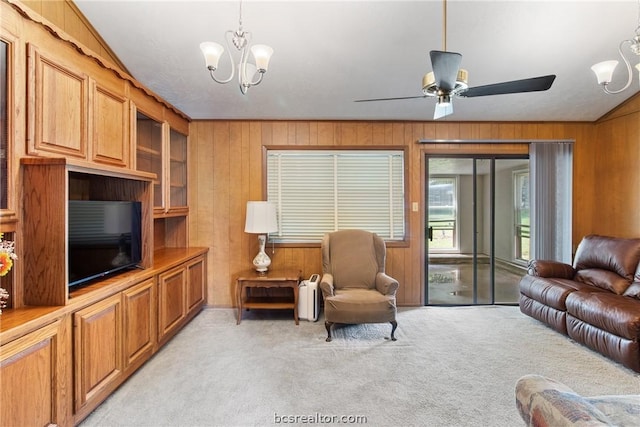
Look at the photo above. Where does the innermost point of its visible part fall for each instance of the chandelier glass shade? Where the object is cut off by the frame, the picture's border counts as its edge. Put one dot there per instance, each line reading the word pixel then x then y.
pixel 604 70
pixel 249 74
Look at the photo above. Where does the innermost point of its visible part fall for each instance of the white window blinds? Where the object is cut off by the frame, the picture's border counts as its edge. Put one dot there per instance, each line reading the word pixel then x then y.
pixel 319 191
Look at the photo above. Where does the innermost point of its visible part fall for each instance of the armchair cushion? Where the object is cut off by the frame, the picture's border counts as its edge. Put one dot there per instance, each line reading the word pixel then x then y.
pixel 352 268
pixel 357 305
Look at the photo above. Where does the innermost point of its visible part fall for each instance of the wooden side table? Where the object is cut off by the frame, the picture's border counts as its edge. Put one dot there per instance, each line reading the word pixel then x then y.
pixel 272 279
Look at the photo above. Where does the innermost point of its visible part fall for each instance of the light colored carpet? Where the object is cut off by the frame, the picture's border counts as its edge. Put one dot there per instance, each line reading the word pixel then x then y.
pixel 451 366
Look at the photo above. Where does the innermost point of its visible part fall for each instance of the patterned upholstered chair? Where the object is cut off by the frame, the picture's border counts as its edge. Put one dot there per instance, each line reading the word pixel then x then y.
pixel 544 402
pixel 354 285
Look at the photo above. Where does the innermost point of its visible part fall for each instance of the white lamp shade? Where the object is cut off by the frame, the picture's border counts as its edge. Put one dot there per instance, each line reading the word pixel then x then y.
pixel 261 218
pixel 604 71
pixel 212 52
pixel 262 55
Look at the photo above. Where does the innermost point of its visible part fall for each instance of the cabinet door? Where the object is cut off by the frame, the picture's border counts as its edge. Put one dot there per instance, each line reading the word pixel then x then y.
pixel 139 323
pixel 57 110
pixel 196 291
pixel 110 133
pixel 98 351
pixel 177 171
pixel 171 302
pixel 32 380
pixel 149 154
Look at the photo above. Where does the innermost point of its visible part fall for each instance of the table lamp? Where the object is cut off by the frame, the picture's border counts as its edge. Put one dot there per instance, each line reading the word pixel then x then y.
pixel 261 219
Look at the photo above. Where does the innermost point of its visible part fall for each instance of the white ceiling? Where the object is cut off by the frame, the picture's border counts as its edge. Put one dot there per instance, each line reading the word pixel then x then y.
pixel 330 53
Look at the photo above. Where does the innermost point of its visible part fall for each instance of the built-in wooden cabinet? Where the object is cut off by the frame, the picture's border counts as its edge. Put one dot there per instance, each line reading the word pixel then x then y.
pixel 149 156
pixel 48 183
pixel 112 338
pixel 139 323
pixel 181 293
pixel 177 167
pixel 196 283
pixel 162 150
pixel 97 354
pixel 34 373
pixel 171 302
pixel 75 127
pixel 73 114
pixel 110 123
pixel 57 106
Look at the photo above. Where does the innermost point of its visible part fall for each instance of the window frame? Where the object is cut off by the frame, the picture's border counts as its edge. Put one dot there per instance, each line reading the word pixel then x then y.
pixel 516 175
pixel 389 243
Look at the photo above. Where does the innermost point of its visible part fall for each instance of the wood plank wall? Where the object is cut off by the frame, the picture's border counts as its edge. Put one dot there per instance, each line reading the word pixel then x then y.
pixel 226 171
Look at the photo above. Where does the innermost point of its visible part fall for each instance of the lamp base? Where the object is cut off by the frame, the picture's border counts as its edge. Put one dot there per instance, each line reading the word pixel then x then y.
pixel 262 261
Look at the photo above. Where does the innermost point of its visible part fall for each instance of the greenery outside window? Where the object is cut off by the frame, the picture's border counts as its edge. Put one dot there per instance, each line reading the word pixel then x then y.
pixel 443 213
pixel 323 190
pixel 522 216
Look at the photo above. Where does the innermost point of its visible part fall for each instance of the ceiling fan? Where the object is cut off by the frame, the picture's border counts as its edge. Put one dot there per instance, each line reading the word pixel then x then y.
pixel 448 80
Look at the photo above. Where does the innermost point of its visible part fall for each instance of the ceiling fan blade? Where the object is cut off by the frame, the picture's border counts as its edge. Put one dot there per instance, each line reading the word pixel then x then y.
pixel 445 68
pixel 442 110
pixel 534 84
pixel 390 99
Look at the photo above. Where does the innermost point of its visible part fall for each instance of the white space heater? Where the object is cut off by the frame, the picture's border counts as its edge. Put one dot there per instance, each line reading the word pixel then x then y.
pixel 308 298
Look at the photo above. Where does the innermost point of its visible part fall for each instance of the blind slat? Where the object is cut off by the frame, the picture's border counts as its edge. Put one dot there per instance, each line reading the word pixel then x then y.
pixel 321 191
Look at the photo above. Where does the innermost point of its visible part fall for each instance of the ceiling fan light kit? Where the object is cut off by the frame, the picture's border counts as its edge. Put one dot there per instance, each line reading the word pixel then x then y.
pixel 604 70
pixel 448 80
pixel 246 71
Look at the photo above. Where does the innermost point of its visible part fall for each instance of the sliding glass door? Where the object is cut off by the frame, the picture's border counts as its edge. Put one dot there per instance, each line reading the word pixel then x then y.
pixel 477 242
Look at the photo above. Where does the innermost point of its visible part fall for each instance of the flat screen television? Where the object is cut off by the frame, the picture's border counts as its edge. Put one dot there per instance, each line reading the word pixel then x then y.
pixel 104 237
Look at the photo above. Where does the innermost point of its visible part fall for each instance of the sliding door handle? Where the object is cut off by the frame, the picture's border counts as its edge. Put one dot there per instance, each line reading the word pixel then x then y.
pixel 430 234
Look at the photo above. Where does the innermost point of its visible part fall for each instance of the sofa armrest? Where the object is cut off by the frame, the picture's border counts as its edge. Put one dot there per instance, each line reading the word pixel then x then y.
pixel 386 285
pixel 546 268
pixel 326 285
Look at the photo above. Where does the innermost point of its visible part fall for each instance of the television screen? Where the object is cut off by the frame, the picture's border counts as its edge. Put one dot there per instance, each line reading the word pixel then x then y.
pixel 103 237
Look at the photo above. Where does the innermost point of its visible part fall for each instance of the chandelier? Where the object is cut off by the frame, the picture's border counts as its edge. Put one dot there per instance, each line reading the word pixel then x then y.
pixel 604 70
pixel 246 71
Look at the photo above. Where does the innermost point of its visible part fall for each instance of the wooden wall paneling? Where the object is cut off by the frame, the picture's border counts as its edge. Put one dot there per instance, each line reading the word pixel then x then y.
pixel 584 164
pixel 232 188
pixel 224 290
pixel 202 204
pixel 239 139
pixel 416 223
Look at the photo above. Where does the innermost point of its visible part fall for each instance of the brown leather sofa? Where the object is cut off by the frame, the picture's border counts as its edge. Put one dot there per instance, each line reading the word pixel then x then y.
pixel 595 301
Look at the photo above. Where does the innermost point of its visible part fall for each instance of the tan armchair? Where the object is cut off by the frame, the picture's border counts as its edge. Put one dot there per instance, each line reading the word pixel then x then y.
pixel 354 285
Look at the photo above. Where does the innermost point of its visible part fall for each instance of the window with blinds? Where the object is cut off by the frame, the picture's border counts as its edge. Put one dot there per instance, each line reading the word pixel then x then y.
pixel 319 191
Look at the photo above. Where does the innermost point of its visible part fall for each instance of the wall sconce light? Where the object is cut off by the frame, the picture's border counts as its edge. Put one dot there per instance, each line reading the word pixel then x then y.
pixel 261 219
